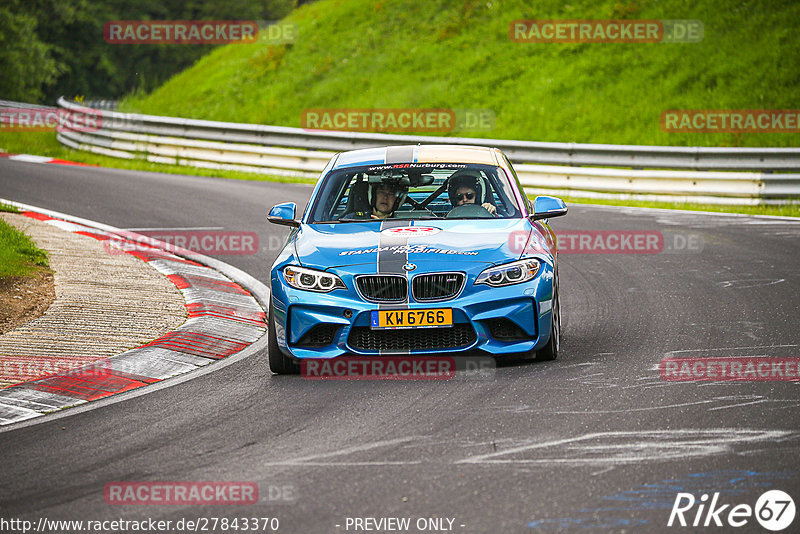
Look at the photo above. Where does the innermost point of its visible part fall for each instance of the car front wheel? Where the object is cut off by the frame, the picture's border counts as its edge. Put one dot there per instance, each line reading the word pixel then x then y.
pixel 278 362
pixel 550 351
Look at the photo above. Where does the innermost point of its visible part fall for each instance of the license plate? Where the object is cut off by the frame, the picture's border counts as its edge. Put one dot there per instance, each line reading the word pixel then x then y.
pixel 411 318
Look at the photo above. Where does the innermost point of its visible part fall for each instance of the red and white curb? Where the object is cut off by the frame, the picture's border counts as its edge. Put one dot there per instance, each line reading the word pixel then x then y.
pixel 30 158
pixel 225 319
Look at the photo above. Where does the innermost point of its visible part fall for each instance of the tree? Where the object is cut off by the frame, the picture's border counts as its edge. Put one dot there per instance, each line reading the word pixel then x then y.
pixel 50 48
pixel 26 63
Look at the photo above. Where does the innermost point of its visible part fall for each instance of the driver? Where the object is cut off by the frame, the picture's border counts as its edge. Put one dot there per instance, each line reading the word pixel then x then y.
pixel 463 189
pixel 384 198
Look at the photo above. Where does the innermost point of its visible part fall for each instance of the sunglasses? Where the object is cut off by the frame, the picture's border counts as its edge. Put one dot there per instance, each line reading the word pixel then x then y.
pixel 465 196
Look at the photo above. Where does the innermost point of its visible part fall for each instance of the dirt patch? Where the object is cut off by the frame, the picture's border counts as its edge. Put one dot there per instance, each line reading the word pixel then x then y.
pixel 24 298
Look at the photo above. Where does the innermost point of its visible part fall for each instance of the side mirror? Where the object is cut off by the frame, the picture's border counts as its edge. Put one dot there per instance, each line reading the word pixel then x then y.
pixel 283 214
pixel 546 207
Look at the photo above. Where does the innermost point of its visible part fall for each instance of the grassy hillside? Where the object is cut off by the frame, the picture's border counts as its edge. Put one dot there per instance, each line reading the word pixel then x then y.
pixel 457 54
pixel 19 256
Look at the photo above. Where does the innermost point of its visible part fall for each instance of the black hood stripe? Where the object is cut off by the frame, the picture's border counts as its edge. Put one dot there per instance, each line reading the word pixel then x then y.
pixel 388 261
pixel 391 263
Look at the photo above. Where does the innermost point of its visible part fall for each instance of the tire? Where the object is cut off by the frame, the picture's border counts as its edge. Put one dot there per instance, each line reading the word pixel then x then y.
pixel 550 351
pixel 278 362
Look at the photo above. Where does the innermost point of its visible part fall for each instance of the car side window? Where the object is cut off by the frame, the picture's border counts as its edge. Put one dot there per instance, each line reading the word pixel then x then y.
pixel 340 207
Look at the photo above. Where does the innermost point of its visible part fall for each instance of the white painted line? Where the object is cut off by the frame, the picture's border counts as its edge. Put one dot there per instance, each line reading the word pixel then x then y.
pixel 310 459
pixel 68 226
pixel 746 284
pixel 30 158
pixel 632 447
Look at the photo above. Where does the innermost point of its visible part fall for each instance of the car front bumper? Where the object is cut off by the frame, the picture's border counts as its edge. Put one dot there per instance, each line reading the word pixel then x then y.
pixel 497 321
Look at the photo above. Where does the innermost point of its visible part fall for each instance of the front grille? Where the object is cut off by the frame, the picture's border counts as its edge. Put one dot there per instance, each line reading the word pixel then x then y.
pixel 383 288
pixel 506 330
pixel 437 286
pixel 320 335
pixel 454 337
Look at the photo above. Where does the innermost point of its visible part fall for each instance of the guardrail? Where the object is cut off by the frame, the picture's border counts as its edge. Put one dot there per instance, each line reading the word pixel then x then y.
pixel 12 104
pixel 102 103
pixel 542 167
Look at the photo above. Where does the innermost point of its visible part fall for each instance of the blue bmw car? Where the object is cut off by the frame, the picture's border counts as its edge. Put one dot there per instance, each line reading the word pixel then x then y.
pixel 416 250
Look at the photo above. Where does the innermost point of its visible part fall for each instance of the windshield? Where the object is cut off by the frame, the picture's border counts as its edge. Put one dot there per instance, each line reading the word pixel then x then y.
pixel 415 191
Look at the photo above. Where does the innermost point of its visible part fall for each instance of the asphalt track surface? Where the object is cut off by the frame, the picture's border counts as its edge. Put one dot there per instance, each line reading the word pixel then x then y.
pixel 595 441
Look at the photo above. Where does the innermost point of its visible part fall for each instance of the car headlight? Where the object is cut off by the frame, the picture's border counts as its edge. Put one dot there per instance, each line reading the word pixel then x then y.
pixel 311 279
pixel 510 273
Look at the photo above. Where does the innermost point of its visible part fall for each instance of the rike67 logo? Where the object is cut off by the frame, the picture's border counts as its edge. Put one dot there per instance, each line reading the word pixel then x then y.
pixel 774 510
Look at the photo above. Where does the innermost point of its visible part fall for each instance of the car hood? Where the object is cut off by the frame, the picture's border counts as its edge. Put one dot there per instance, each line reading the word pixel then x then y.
pixel 392 243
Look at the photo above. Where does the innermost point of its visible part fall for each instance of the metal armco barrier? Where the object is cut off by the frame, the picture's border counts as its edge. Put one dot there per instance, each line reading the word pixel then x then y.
pixel 737 175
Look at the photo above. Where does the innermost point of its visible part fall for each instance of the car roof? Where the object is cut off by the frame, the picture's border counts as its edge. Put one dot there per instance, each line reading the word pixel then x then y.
pixel 417 154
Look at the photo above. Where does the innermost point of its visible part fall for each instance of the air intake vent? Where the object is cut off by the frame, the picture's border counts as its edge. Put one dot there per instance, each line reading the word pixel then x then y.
pixel 438 286
pixel 505 330
pixel 321 335
pixel 383 288
pixel 456 337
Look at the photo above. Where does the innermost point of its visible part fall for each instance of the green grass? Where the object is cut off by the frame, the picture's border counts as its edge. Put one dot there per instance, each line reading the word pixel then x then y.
pixel 45 144
pixel 785 210
pixel 8 208
pixel 18 254
pixel 457 54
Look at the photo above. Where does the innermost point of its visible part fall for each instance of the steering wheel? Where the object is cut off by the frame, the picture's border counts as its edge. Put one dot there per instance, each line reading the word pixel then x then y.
pixel 469 211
